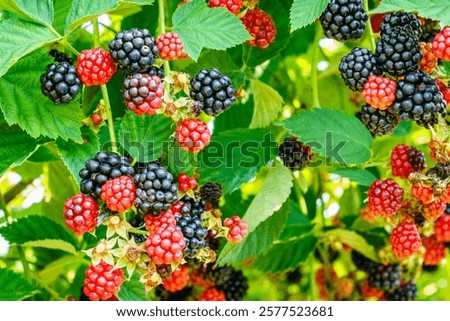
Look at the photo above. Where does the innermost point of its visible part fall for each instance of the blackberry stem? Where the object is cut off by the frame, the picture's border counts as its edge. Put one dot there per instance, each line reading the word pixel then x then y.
pixel 369 28
pixel 162 29
pixel 314 71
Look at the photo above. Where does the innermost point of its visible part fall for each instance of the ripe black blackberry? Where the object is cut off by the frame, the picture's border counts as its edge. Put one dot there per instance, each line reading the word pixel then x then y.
pixel 60 82
pixel 378 122
pixel 155 71
pixel 233 283
pixel 418 98
pixel 294 154
pixel 361 262
pixel 133 50
pixel 194 234
pixel 398 52
pixel 356 68
pixel 406 292
pixel 344 20
pixel 385 277
pixel 294 276
pixel 155 191
pixel 401 19
pixel 211 192
pixel 212 92
pixel 102 167
pixel 192 206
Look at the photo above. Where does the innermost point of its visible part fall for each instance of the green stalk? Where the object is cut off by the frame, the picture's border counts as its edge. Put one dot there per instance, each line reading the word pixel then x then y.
pixel 314 71
pixel 162 29
pixel 369 32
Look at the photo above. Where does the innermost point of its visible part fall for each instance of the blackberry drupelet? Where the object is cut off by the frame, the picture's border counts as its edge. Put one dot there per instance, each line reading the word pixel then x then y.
pixel 194 234
pixel 192 206
pixel 102 167
pixel 155 190
pixel 356 68
pixel 211 192
pixel 344 20
pixel 212 92
pixel 385 277
pixel 418 98
pixel 60 82
pixel 398 52
pixel 295 154
pixel 406 292
pixel 378 122
pixel 401 19
pixel 361 262
pixel 133 50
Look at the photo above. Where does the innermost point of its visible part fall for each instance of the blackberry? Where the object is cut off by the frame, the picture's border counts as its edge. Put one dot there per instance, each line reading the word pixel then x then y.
pixel 233 283
pixel 439 171
pixel 430 29
pixel 385 277
pixel 361 262
pixel 398 52
pixel 133 50
pixel 60 82
pixel 192 207
pixel 378 122
pixel 211 192
pixel 295 154
pixel 401 19
pixel 212 92
pixel 194 234
pixel 155 191
pixel 294 276
pixel 155 71
pixel 344 20
pixel 60 56
pixel 356 68
pixel 102 167
pixel 139 223
pixel 406 292
pixel 418 98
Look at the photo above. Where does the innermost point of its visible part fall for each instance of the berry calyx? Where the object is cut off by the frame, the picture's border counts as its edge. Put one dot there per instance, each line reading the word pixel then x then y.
pixel 165 245
pixel 261 27
pixel 186 183
pixel 212 294
pixel 119 193
pixel 379 92
pixel 405 240
pixel 406 160
pixel 234 6
pixel 95 67
pixel 178 280
pixel 143 93
pixel 385 197
pixel 102 281
pixel 441 44
pixel 237 229
pixel 192 135
pixel 170 46
pixel 81 213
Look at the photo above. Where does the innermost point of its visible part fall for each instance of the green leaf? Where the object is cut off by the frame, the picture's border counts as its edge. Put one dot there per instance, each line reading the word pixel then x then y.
pixel 339 137
pixel 434 9
pixel 15 147
pixel 145 137
pixel 286 255
pixel 45 153
pixel 202 27
pixel 268 104
pixel 20 37
pixel 361 176
pixel 85 10
pixel 62 8
pixel 14 286
pixel 180 161
pixel 74 155
pixel 257 241
pixel 39 231
pixel 304 12
pixel 22 102
pixel 354 240
pixel 234 157
pixel 39 11
pixel 132 290
pixel 53 270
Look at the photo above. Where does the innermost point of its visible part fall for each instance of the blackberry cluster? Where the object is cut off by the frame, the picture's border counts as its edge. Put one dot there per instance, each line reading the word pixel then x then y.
pixel 418 98
pixel 194 234
pixel 378 122
pixel 294 154
pixel 361 262
pixel 133 50
pixel 398 51
pixel 344 20
pixel 192 207
pixel 385 277
pixel 211 192
pixel 102 167
pixel 401 19
pixel 357 66
pixel 155 191
pixel 406 292
pixel 213 92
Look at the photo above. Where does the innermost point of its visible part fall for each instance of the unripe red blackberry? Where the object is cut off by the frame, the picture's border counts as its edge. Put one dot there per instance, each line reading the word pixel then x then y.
pixel 102 281
pixel 385 197
pixel 405 240
pixel 193 135
pixel 234 6
pixel 379 92
pixel 435 251
pixel 119 193
pixel 81 213
pixel 429 61
pixel 441 44
pixel 442 228
pixel 261 27
pixel 170 46
pixel 406 160
pixel 211 294
pixel 95 67
pixel 165 245
pixel 178 280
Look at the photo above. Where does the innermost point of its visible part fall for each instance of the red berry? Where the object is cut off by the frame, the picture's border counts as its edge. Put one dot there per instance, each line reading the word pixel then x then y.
pixel 167 218
pixel 322 281
pixel 96 119
pixel 193 135
pixel 212 294
pixel 422 193
pixel 165 245
pixel 429 61
pixel 367 215
pixel 102 282
pixel 441 44
pixel 379 92
pixel 442 228
pixel 170 46
pixel 406 160
pixel 445 90
pixel 178 280
pixel 435 251
pixel 368 292
pixel 405 240
pixel 234 6
pixel 261 27
pixel 446 196
pixel 81 213
pixel 433 210
pixel 385 197
pixel 95 67
pixel 376 21
pixel 186 183
pixel 143 93
pixel 237 229
pixel 119 193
